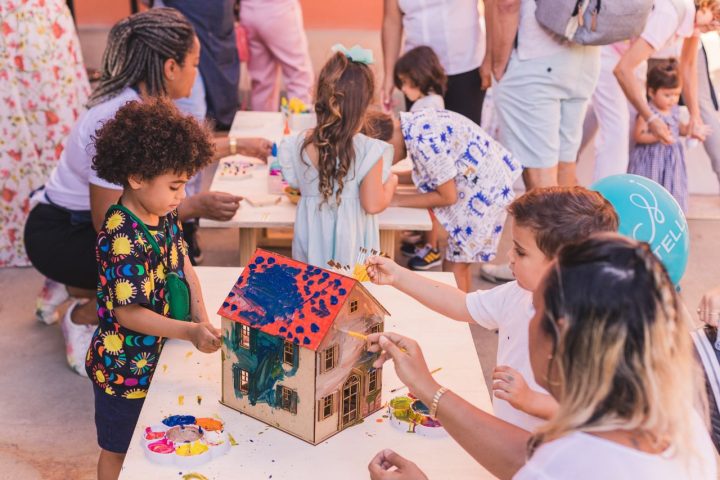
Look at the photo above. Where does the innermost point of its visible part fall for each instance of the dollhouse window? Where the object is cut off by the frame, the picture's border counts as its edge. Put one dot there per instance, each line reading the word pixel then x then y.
pixel 376 328
pixel 288 399
pixel 244 336
pixel 244 381
pixel 353 306
pixel 288 353
pixel 372 381
pixel 329 359
pixel 327 404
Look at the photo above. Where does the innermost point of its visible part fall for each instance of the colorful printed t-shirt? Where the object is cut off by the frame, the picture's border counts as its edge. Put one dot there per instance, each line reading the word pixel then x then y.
pixel 443 146
pixel 121 361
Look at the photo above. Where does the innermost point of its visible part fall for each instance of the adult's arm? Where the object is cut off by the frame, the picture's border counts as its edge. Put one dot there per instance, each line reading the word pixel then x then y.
pixel 391 38
pixel 624 71
pixel 505 17
pixel 486 66
pixel 689 74
pixel 497 445
pixel 101 199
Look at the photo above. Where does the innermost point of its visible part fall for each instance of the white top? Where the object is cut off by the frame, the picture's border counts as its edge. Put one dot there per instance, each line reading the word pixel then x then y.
pixel 325 230
pixel 668 23
pixel 508 309
pixel 450 27
pixel 581 455
pixel 69 183
pixel 533 40
pixel 433 101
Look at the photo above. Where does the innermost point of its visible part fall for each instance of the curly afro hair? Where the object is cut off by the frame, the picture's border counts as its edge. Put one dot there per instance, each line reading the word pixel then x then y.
pixel 148 139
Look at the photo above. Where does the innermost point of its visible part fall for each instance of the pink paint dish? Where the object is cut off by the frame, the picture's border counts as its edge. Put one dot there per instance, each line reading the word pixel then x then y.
pixel 185 444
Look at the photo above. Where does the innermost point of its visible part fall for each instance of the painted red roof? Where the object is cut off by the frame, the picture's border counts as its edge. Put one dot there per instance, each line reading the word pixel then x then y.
pixel 284 297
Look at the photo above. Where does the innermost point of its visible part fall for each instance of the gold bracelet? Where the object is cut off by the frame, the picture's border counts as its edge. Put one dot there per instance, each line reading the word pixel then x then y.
pixel 232 141
pixel 436 399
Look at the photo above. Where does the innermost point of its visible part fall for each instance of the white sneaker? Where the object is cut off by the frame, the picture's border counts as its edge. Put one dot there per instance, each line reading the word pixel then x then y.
pixel 496 273
pixel 52 295
pixel 77 339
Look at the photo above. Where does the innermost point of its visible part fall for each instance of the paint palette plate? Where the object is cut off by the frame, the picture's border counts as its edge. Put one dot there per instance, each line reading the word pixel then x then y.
pixel 185 441
pixel 410 415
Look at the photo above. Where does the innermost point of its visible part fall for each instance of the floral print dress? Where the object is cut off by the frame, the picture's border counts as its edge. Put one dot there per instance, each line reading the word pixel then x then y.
pixel 43 88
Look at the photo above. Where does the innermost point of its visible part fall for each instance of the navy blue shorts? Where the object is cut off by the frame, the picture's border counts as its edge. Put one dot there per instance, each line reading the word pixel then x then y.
pixel 115 419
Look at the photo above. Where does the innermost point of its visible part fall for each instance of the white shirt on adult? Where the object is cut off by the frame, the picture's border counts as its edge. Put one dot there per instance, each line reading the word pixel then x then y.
pixel 589 457
pixel 534 41
pixel 69 183
pixel 451 28
pixel 669 22
pixel 508 309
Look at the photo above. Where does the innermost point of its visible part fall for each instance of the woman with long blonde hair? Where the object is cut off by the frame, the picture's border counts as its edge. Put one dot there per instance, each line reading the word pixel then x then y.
pixel 343 176
pixel 611 343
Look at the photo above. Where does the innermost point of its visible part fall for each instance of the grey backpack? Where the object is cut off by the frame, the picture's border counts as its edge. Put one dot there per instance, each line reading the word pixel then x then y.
pixel 594 22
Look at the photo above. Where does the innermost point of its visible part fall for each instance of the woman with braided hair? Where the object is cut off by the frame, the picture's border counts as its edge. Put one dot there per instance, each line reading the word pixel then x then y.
pixel 343 175
pixel 149 54
pixel 610 341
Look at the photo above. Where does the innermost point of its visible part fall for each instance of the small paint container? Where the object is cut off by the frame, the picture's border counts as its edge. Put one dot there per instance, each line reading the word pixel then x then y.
pixel 192 454
pixel 218 446
pixel 154 433
pixel 175 420
pixel 161 452
pixel 184 434
pixel 210 424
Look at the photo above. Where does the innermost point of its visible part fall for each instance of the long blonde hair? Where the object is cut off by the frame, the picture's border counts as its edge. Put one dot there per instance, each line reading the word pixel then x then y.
pixel 623 356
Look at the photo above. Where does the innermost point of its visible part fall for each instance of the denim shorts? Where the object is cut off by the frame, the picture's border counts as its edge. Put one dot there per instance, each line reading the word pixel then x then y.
pixel 115 419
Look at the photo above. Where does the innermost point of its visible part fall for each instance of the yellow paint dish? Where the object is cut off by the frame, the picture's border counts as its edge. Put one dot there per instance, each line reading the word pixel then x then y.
pixel 191 449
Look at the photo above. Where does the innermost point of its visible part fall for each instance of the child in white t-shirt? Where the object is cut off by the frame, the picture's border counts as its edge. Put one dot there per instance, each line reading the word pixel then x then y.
pixel 545 219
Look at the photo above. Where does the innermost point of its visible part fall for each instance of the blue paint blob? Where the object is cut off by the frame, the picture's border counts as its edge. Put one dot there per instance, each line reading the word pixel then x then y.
pixel 259 260
pixel 283 329
pixel 271 260
pixel 314 328
pixel 333 300
pixel 306 341
pixel 342 291
pixel 299 329
pixel 175 420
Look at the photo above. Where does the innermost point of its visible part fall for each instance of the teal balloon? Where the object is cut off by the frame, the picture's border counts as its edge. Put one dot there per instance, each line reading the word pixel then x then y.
pixel 650 214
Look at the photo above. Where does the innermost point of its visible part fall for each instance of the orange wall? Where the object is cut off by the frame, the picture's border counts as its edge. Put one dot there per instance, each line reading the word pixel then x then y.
pixel 321 14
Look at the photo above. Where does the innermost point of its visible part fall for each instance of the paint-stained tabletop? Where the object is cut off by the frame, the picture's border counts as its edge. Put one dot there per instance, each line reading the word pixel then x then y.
pixel 188 382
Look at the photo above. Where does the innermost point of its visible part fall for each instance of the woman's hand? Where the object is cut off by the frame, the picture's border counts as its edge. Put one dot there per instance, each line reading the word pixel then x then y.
pixel 409 362
pixel 388 465
pixel 698 129
pixel 660 129
pixel 218 206
pixel 205 337
pixel 382 270
pixel 709 308
pixel 387 92
pixel 255 147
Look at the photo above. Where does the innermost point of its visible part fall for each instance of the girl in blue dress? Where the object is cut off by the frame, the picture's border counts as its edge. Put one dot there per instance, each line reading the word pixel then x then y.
pixel 343 176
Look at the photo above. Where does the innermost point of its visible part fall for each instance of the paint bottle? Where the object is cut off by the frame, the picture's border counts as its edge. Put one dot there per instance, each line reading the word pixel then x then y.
pixel 275 179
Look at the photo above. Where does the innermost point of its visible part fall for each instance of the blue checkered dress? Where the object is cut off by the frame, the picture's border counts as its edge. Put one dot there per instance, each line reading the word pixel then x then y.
pixel 662 163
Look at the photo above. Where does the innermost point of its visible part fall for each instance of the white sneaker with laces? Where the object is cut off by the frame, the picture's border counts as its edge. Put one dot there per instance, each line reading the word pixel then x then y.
pixel 77 339
pixel 496 273
pixel 52 295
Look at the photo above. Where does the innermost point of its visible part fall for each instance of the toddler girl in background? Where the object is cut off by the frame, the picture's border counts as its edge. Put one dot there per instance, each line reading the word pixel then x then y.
pixel 421 77
pixel 651 158
pixel 343 176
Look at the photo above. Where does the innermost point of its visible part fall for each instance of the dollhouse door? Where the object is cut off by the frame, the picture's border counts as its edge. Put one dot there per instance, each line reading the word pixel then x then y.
pixel 350 400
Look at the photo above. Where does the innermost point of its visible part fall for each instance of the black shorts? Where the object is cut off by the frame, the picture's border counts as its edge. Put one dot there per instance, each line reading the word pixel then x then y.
pixel 115 420
pixel 61 247
pixel 464 94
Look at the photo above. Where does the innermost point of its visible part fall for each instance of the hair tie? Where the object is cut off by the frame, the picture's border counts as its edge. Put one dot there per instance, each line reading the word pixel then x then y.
pixel 355 54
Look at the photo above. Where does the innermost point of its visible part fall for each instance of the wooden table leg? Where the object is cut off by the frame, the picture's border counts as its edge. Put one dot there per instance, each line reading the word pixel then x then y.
pixel 387 242
pixel 248 244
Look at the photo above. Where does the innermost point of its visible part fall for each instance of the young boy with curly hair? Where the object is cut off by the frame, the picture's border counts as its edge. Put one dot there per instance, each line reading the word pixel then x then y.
pixel 146 283
pixel 544 220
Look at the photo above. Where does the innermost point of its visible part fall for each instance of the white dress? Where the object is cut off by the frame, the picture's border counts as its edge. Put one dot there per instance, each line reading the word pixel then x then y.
pixel 326 230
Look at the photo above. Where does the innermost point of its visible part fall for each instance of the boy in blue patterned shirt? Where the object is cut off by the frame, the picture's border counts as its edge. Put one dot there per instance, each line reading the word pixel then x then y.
pixel 145 283
pixel 461 173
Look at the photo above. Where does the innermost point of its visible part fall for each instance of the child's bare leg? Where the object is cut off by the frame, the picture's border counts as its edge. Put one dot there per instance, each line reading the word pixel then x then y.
pixel 84 314
pixel 461 272
pixel 433 236
pixel 109 465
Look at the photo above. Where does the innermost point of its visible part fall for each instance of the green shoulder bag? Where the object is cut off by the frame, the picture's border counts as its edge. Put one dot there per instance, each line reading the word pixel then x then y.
pixel 177 294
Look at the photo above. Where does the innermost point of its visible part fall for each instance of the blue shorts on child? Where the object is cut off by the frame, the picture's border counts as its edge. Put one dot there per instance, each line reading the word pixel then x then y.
pixel 115 420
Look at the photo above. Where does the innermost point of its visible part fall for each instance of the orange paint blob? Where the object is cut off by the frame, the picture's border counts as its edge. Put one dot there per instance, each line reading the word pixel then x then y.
pixel 209 424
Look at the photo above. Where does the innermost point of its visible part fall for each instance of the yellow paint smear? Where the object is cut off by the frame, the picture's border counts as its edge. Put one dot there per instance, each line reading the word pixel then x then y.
pixel 194 476
pixel 187 355
pixel 181 399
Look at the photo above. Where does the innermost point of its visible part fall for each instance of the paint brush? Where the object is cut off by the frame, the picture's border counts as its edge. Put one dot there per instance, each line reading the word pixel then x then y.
pixel 362 336
pixel 405 386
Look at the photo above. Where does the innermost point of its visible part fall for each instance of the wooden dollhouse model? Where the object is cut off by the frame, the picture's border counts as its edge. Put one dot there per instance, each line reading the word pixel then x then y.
pixel 291 353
